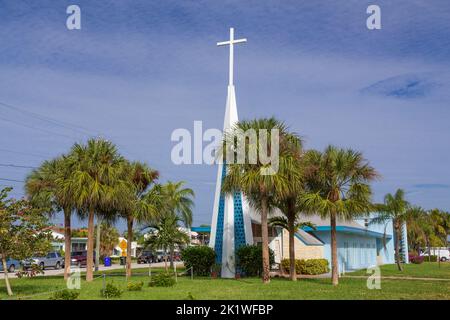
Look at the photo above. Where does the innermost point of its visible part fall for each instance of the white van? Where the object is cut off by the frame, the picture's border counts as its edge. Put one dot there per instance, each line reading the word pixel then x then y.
pixel 442 253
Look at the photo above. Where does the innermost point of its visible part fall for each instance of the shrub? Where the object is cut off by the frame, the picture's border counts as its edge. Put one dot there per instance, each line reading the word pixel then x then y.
pixel 65 295
pixel 190 296
pixel 200 258
pixel 162 280
pixel 134 286
pixel 308 266
pixel 416 259
pixel 431 258
pixel 111 291
pixel 249 259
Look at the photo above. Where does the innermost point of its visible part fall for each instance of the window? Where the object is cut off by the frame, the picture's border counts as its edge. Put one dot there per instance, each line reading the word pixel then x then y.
pixel 346 255
pixel 361 253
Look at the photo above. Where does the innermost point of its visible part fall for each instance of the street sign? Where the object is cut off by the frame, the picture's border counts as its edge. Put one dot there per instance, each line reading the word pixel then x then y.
pixel 123 246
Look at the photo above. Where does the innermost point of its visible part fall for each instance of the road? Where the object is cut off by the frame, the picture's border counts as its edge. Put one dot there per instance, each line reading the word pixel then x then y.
pixel 53 272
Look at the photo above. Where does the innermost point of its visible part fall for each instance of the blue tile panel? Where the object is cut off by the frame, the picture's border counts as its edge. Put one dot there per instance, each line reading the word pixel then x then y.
pixel 220 217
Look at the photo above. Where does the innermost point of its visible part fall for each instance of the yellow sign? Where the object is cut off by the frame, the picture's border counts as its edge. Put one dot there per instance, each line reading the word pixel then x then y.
pixel 123 246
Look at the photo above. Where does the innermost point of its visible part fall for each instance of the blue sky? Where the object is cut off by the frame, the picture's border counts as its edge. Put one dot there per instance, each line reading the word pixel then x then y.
pixel 137 70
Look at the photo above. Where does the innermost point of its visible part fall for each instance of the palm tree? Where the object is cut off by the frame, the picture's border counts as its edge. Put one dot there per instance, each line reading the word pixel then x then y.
pixel 394 208
pixel 178 200
pixel 141 206
pixel 259 189
pixel 289 203
pixel 290 224
pixel 42 191
pixel 338 182
pixel 109 236
pixel 96 184
pixel 165 234
pixel 417 222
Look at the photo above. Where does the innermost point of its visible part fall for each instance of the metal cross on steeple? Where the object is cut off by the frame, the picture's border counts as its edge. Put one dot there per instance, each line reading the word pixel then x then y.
pixel 231 43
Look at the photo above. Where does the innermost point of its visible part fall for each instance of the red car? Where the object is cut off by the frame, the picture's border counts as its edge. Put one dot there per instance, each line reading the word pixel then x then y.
pixel 79 258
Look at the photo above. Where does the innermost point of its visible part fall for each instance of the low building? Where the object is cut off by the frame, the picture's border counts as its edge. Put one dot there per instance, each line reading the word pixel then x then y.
pixel 361 244
pixel 58 244
pixel 117 251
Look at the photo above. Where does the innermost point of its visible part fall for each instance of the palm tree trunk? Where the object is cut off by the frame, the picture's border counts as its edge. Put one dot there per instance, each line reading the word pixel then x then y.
pixel 67 243
pixel 265 241
pixel 90 247
pixel 171 256
pixel 5 271
pixel 165 260
pixel 129 240
pixel 397 248
pixel 97 245
pixel 334 262
pixel 293 273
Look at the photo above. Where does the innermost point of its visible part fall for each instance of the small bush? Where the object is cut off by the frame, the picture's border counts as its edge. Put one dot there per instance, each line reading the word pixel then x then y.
pixel 200 258
pixel 162 280
pixel 111 291
pixel 134 286
pixel 65 295
pixel 431 258
pixel 190 296
pixel 249 259
pixel 308 266
pixel 416 259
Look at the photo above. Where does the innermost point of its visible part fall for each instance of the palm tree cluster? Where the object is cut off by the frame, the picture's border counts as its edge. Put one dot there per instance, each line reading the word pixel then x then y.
pixel 334 184
pixel 94 180
pixel 425 228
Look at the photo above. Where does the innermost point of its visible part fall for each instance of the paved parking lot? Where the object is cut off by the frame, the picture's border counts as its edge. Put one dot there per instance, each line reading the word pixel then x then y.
pixel 53 272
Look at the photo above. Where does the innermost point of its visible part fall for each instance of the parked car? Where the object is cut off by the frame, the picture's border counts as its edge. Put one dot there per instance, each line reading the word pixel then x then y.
pixel 444 254
pixel 79 258
pixel 159 255
pixel 52 259
pixel 146 257
pixel 176 256
pixel 11 265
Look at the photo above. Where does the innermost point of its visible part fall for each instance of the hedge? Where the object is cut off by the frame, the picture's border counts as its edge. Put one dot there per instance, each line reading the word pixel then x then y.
pixel 308 266
pixel 249 259
pixel 431 258
pixel 416 259
pixel 200 258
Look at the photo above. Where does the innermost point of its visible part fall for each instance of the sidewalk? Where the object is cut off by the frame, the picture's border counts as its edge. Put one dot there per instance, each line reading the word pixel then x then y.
pixel 398 278
pixel 53 272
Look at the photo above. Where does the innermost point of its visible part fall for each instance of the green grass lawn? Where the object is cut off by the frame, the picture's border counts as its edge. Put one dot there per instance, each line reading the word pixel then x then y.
pixel 251 288
pixel 424 270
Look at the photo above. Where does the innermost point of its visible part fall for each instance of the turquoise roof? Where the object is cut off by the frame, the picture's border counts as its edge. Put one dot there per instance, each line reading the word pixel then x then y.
pixel 353 230
pixel 201 229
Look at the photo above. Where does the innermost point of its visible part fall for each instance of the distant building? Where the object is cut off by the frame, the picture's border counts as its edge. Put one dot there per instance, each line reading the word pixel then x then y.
pixel 58 244
pixel 117 251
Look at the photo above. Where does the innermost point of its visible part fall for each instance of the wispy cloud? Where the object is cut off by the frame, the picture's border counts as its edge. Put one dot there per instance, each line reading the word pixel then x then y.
pixel 408 86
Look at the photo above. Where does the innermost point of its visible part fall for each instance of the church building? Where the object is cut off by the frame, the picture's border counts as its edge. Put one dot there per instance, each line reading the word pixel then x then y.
pixel 361 244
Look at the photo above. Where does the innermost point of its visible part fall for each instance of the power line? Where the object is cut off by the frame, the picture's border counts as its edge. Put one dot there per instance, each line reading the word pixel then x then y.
pixel 35 128
pixel 38 116
pixel 53 121
pixel 11 180
pixel 25 153
pixel 16 166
